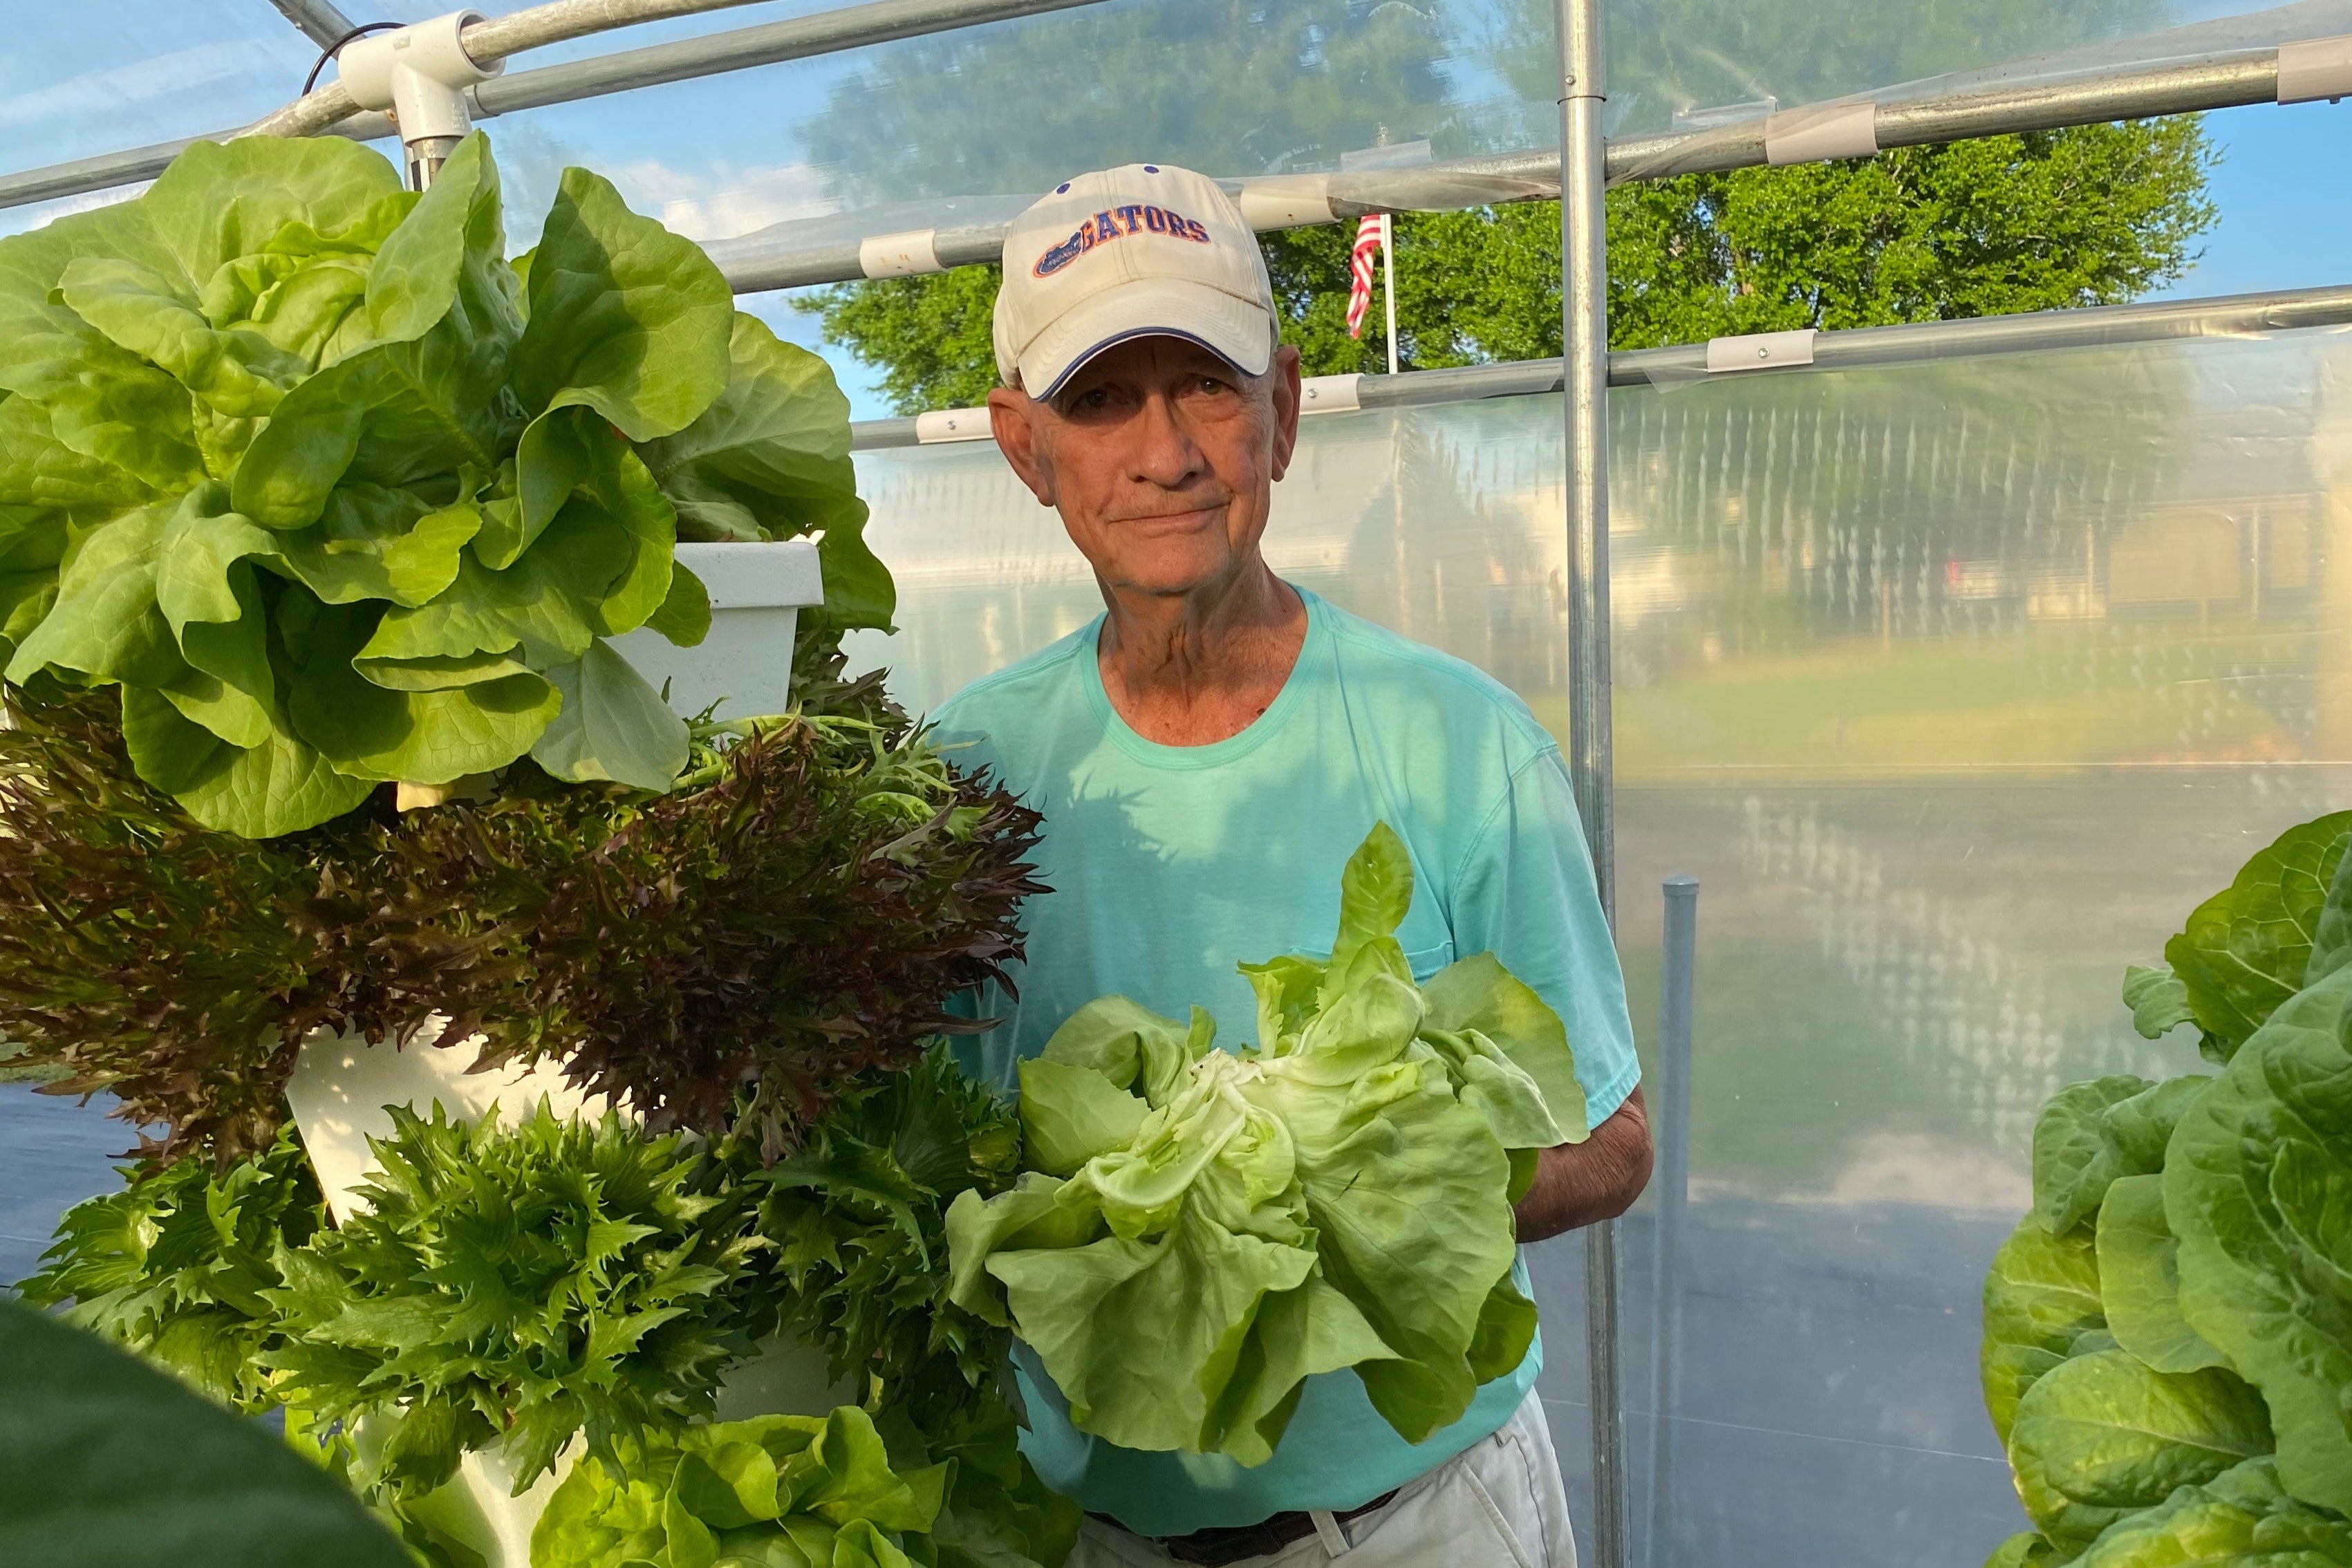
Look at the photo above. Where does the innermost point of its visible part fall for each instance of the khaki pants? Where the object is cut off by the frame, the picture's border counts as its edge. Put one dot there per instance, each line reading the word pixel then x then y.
pixel 1497 1504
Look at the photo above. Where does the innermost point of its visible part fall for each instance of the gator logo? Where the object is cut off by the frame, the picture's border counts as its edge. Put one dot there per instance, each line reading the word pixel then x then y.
pixel 1118 223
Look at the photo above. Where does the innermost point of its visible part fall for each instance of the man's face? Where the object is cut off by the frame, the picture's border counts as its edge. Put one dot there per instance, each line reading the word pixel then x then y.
pixel 1161 456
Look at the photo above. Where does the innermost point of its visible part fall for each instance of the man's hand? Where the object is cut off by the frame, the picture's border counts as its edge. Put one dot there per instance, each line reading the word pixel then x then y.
pixel 1582 1183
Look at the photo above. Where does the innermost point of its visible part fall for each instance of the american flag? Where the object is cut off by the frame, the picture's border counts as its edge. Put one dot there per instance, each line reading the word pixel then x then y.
pixel 1371 233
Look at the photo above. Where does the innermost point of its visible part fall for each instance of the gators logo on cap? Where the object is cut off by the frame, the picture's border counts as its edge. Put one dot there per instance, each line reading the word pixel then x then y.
pixel 1118 223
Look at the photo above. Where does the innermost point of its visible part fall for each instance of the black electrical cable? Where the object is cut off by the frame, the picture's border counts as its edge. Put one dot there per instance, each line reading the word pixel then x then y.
pixel 329 52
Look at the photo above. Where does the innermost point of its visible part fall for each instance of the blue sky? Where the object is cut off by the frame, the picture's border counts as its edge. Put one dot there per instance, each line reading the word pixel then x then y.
pixel 2284 188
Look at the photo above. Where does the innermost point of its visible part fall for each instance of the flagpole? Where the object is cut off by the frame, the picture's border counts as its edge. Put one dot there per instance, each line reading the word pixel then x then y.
pixel 1388 279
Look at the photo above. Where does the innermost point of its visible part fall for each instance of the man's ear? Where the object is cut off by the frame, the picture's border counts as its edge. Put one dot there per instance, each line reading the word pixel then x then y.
pixel 1011 415
pixel 1284 373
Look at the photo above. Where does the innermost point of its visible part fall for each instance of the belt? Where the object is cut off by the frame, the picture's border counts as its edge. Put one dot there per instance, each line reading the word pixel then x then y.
pixel 1214 1548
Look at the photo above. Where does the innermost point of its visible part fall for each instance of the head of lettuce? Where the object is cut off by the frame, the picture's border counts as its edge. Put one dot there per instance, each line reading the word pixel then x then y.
pixel 1208 755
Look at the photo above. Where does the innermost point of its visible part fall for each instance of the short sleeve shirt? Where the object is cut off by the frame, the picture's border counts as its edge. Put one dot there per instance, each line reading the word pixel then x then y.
pixel 1170 865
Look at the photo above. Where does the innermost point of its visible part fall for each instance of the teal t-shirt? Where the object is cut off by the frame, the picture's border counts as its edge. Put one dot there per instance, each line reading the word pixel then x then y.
pixel 1170 864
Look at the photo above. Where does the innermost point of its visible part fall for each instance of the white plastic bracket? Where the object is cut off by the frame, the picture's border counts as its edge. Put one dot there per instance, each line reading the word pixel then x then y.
pixel 420 74
pixel 952 425
pixel 1330 394
pixel 1820 131
pixel 2313 69
pixel 1759 350
pixel 899 254
pixel 1287 201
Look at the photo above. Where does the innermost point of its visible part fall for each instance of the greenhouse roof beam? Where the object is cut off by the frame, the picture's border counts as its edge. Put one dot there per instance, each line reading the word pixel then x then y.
pixel 799 38
pixel 773 260
pixel 321 21
pixel 2107 326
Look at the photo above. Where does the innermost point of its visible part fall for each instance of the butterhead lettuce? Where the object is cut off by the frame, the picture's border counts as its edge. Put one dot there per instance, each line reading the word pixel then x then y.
pixel 1202 1231
pixel 335 494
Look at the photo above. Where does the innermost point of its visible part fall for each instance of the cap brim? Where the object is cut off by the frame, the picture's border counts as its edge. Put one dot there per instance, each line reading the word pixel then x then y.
pixel 1235 330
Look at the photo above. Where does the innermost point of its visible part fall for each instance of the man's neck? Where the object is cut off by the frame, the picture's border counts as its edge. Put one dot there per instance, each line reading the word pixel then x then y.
pixel 1192 669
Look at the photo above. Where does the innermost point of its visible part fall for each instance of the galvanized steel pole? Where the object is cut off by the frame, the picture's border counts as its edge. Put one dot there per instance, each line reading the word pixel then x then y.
pixel 1677 995
pixel 1584 321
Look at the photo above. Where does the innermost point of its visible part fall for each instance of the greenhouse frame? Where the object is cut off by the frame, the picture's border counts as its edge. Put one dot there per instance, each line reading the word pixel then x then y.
pixel 1907 641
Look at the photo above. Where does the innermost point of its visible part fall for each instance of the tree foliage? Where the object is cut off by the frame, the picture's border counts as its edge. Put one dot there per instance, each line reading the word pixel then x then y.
pixel 2095 214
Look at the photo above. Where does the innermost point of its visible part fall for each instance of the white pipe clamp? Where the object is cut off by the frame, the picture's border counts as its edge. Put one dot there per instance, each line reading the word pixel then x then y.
pixel 419 73
pixel 1759 350
pixel 2313 68
pixel 939 425
pixel 1820 131
pixel 903 254
pixel 1330 394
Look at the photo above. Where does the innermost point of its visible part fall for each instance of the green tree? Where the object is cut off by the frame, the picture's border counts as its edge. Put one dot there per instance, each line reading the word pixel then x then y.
pixel 1219 85
pixel 2091 215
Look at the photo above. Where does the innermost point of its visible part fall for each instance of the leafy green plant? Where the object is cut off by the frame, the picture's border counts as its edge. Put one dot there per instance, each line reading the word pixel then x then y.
pixel 105 1461
pixel 336 496
pixel 175 1264
pixel 1339 1197
pixel 807 1490
pixel 512 1283
pixel 856 1218
pixel 795 914
pixel 2168 1351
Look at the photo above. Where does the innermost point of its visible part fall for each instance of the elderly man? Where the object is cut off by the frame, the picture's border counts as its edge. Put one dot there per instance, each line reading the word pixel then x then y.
pixel 1207 753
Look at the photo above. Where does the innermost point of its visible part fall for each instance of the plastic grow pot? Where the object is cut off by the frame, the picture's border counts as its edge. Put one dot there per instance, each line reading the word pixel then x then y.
pixel 745 664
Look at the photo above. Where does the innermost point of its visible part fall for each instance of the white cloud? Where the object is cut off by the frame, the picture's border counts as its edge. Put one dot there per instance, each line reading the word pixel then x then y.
pixel 136 85
pixel 724 201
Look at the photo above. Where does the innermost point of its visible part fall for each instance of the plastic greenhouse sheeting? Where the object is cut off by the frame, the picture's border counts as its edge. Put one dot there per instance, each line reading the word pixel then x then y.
pixel 1957 686
pixel 1004 110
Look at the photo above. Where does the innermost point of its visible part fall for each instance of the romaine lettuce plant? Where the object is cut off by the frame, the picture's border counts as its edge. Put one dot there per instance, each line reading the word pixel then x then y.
pixel 2167 1336
pixel 1200 1232
pixel 336 495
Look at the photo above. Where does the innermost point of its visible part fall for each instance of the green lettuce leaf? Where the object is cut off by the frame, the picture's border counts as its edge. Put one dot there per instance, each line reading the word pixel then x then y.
pixel 612 726
pixel 2041 1297
pixel 770 459
pixel 2139 1279
pixel 2159 1000
pixel 1478 995
pixel 105 1458
pixel 2240 1518
pixel 2245 949
pixel 776 1489
pixel 2103 1434
pixel 2092 1133
pixel 626 318
pixel 2258 1189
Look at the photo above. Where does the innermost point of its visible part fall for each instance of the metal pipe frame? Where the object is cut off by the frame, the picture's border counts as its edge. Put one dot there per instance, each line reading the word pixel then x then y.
pixel 2104 326
pixel 319 20
pixel 770 260
pixel 799 38
pixel 1584 336
pixel 1670 1186
pixel 2217 80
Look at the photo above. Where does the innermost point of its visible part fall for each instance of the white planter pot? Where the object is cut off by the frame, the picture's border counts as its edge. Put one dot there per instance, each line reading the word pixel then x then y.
pixel 745 665
pixel 339 1092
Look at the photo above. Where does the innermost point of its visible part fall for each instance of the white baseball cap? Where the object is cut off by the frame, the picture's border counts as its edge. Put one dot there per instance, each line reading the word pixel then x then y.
pixel 1147 250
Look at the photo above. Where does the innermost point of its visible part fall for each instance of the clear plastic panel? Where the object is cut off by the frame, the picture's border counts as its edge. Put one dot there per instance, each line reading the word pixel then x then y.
pixel 1230 87
pixel 77 80
pixel 1692 64
pixel 1957 686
